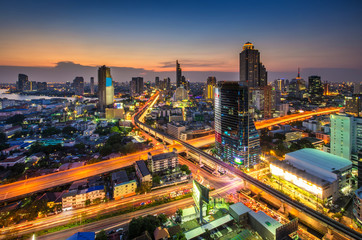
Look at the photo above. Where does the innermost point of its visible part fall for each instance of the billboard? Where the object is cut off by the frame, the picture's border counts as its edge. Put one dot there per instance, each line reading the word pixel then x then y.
pixel 200 194
pixel 108 82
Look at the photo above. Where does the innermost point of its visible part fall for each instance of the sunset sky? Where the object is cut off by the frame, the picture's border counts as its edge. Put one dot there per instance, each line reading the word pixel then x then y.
pixel 203 35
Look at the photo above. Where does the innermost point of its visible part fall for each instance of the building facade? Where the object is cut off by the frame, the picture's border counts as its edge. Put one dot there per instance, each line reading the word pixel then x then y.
pixel 78 85
pixel 163 162
pixel 122 186
pixel 105 88
pixel 236 138
pixel 136 86
pixel 316 90
pixel 210 88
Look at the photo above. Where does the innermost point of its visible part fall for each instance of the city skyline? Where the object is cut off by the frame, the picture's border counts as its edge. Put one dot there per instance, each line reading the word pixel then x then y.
pixel 205 40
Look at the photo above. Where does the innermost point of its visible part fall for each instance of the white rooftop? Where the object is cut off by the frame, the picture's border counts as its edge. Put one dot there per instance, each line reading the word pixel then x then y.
pixel 270 223
pixel 320 159
pixel 239 208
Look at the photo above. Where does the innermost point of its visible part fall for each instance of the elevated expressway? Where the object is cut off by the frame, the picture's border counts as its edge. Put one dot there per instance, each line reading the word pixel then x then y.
pixel 340 228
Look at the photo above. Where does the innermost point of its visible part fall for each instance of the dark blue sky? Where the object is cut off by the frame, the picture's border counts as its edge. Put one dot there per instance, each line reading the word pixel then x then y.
pixel 204 35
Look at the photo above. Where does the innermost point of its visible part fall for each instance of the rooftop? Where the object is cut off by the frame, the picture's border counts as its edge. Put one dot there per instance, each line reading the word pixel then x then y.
pixel 323 160
pixel 119 177
pixel 239 208
pixel 163 156
pixel 143 168
pixel 268 222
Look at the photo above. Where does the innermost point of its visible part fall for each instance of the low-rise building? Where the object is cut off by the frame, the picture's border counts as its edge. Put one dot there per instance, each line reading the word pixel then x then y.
pixel 175 128
pixel 12 160
pixel 163 162
pixel 122 186
pixel 142 172
pixel 9 132
pixel 320 173
pixel 81 198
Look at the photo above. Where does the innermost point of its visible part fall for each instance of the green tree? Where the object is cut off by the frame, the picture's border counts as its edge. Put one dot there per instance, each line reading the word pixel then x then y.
pixel 162 217
pixel 156 179
pixel 102 235
pixel 87 202
pixel 80 147
pixel 50 131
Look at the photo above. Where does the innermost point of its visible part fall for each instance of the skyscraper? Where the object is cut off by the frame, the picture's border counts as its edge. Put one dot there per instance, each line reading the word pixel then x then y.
pixel 136 86
pixel 210 88
pixel 105 88
pixel 178 74
pixel 78 85
pixel 92 85
pixel 252 72
pixel 354 105
pixel 236 138
pixel 22 82
pixel 157 82
pixel 315 88
pixel 346 137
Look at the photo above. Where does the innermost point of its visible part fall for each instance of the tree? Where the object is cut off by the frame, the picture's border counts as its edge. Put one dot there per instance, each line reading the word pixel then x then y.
pixel 180 236
pixel 156 179
pixel 69 130
pixel 80 147
pixel 50 131
pixel 162 217
pixel 102 235
pixel 138 225
pixel 179 212
pixel 16 119
pixel 87 202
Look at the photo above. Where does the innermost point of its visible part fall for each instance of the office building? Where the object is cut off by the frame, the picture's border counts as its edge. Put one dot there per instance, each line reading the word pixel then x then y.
pixel 22 82
pixel 210 88
pixel 136 86
pixel 92 85
pixel 357 88
pixel 236 138
pixel 252 71
pixel 354 105
pixel 297 87
pixel 261 101
pixel 122 186
pixel 316 90
pixel 346 137
pixel 78 85
pixel 279 84
pixel 163 162
pixel 319 173
pixel 180 94
pixel 105 88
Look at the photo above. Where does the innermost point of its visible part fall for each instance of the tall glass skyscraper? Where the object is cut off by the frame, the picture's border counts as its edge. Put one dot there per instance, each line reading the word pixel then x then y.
pixel 236 138
pixel 105 88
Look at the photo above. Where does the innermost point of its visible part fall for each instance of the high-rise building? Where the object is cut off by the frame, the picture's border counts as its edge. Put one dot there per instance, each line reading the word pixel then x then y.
pixel 22 82
pixel 178 74
pixel 236 138
pixel 346 137
pixel 105 88
pixel 181 80
pixel 354 105
pixel 136 86
pixel 92 85
pixel 326 89
pixel 279 84
pixel 78 85
pixel 297 87
pixel 252 71
pixel 316 90
pixel 210 88
pixel 157 82
pixel 42 86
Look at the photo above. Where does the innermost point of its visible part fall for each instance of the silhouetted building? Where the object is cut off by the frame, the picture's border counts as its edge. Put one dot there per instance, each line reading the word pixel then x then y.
pixel 136 86
pixel 297 87
pixel 42 86
pixel 181 80
pixel 316 90
pixel 78 85
pixel 236 138
pixel 22 82
pixel 92 85
pixel 252 71
pixel 105 88
pixel 157 82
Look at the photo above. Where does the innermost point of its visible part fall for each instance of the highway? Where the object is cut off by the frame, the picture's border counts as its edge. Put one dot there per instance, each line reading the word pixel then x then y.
pixel 344 230
pixel 294 117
